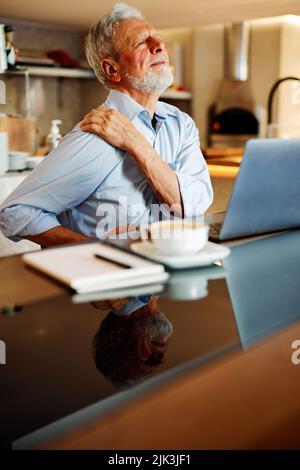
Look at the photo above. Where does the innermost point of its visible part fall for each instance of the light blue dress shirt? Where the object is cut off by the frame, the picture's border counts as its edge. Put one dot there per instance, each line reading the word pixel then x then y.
pixel 89 186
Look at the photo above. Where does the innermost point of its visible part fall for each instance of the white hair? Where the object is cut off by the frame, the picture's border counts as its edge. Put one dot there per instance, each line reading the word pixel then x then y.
pixel 99 42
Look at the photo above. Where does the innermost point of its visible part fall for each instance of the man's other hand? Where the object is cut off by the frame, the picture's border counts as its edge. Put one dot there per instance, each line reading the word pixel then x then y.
pixel 115 304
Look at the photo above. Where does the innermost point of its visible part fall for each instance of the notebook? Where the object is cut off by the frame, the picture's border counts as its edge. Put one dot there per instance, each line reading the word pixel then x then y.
pixel 122 293
pixel 91 267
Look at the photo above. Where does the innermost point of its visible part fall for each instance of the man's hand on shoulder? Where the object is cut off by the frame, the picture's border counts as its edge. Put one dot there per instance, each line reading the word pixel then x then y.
pixel 113 127
pixel 118 131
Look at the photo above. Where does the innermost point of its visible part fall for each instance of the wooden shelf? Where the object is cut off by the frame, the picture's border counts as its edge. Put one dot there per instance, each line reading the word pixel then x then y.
pixel 53 72
pixel 177 95
pixel 62 72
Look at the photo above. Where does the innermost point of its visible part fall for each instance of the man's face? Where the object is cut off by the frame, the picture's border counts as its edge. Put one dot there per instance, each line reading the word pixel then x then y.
pixel 143 57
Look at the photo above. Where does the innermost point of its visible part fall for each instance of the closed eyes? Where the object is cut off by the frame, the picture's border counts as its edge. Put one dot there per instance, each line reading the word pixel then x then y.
pixel 145 40
pixel 142 42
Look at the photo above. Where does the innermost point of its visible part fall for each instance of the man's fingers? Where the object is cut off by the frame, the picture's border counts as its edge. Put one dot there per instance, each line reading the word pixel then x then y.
pixel 96 129
pixel 99 123
pixel 99 120
pixel 95 113
pixel 103 112
pixel 91 121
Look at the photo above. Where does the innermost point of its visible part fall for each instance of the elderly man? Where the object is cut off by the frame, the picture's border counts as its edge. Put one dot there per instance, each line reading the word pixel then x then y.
pixel 128 157
pixel 132 340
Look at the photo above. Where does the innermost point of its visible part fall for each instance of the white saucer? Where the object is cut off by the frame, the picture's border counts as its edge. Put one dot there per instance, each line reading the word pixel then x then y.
pixel 209 254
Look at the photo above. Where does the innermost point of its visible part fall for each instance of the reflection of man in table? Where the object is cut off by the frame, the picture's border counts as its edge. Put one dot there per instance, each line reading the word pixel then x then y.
pixel 131 341
pixel 138 153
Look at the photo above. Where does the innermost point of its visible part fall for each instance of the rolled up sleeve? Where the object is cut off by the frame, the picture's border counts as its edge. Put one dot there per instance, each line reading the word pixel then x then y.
pixel 62 181
pixel 192 173
pixel 19 221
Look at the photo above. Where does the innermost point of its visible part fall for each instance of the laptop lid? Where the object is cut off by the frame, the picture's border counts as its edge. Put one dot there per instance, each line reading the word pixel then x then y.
pixel 266 194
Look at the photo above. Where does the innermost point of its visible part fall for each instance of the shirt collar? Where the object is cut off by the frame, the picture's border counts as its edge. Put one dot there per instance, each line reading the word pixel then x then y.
pixel 123 103
pixel 133 304
pixel 130 108
pixel 163 110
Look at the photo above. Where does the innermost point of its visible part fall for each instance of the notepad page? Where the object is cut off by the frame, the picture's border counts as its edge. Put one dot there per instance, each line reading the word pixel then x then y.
pixel 77 266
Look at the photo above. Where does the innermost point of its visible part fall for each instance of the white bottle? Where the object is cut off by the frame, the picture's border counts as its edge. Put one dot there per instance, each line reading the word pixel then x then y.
pixel 4 163
pixel 3 58
pixel 54 135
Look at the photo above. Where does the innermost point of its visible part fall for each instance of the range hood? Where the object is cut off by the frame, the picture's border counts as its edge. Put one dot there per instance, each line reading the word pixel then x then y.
pixel 232 117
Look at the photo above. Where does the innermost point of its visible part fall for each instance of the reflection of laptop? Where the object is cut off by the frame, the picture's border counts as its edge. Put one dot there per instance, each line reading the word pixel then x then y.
pixel 263 284
pixel 266 194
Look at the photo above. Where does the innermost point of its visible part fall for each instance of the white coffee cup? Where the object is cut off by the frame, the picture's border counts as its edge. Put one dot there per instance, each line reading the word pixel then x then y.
pixel 177 237
pixel 17 160
pixel 186 288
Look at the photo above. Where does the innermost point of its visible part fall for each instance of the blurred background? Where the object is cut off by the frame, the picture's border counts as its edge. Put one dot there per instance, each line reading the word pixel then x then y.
pixel 236 65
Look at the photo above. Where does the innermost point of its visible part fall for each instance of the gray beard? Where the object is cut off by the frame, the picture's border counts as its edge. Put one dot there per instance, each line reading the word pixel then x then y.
pixel 153 82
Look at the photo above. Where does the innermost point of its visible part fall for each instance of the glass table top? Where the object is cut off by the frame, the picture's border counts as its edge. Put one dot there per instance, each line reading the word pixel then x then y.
pixel 75 357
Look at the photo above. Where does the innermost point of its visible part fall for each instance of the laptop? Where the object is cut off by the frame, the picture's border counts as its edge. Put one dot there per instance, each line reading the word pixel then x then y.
pixel 266 194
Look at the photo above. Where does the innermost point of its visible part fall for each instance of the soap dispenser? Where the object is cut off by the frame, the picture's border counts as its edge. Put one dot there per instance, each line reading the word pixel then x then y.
pixel 54 135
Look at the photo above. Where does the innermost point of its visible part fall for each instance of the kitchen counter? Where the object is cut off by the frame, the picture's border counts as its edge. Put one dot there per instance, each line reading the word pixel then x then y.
pixel 222 178
pixel 223 171
pixel 10 181
pixel 223 163
pixel 230 346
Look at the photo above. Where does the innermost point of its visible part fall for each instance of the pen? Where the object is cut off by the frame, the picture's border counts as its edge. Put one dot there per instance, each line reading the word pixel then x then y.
pixel 117 263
